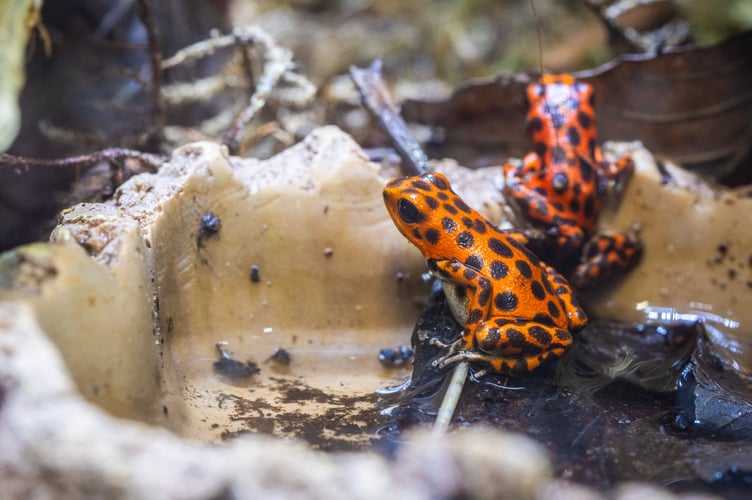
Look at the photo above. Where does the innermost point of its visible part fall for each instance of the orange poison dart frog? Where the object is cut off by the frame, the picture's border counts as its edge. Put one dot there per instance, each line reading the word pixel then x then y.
pixel 517 311
pixel 561 185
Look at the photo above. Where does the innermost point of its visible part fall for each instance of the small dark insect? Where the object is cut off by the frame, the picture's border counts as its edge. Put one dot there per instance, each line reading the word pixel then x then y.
pixel 210 223
pixel 233 368
pixel 391 358
pixel 255 276
pixel 210 226
pixel 281 357
pixel 666 177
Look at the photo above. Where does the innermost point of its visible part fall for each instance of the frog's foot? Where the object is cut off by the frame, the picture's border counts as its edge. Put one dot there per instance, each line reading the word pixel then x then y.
pixel 576 315
pixel 531 203
pixel 450 357
pixel 621 172
pixel 458 346
pixel 604 256
pixel 512 171
pixel 517 365
pixel 534 236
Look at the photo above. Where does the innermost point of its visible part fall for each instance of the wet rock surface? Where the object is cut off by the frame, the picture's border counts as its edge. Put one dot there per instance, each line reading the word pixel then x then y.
pixel 696 257
pixel 660 415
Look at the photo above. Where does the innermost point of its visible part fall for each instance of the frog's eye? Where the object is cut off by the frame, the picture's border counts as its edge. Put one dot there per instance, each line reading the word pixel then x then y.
pixel 408 212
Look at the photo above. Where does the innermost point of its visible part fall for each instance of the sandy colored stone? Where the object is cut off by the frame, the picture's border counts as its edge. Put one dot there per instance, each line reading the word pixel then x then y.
pixel 139 318
pixel 697 258
pixel 57 445
pixel 136 294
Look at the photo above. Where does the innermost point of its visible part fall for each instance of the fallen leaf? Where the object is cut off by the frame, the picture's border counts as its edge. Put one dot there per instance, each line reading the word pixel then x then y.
pixel 693 105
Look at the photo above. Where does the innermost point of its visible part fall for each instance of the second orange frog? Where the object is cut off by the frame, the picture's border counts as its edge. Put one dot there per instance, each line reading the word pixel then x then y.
pixel 562 184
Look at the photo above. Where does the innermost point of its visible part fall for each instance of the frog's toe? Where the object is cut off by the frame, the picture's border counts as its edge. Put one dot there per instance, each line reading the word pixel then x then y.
pixel 451 347
pixel 606 255
pixel 447 360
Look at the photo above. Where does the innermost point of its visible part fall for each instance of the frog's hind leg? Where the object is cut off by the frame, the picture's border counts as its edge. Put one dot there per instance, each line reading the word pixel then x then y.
pixel 503 365
pixel 604 256
pixel 512 347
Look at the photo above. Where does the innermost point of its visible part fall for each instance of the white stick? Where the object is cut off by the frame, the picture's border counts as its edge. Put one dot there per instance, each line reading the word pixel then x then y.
pixel 451 398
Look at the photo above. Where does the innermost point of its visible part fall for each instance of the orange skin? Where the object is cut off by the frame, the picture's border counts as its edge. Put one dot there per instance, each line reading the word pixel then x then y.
pixel 517 311
pixel 561 186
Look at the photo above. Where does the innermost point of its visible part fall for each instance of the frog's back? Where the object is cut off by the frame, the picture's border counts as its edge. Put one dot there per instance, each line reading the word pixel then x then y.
pixel 443 227
pixel 522 288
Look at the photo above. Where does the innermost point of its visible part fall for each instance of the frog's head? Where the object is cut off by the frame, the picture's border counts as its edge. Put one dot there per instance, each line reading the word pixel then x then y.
pixel 426 211
pixel 561 106
pixel 559 92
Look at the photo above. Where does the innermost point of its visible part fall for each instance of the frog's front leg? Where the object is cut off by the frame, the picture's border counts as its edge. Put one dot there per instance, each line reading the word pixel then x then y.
pixel 619 171
pixel 533 204
pixel 479 291
pixel 529 165
pixel 537 206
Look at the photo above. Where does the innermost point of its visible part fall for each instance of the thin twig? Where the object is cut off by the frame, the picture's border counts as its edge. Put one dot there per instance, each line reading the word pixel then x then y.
pixel 538 34
pixel 451 398
pixel 276 67
pixel 278 62
pixel 157 105
pixel 375 97
pixel 205 48
pixel 153 161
